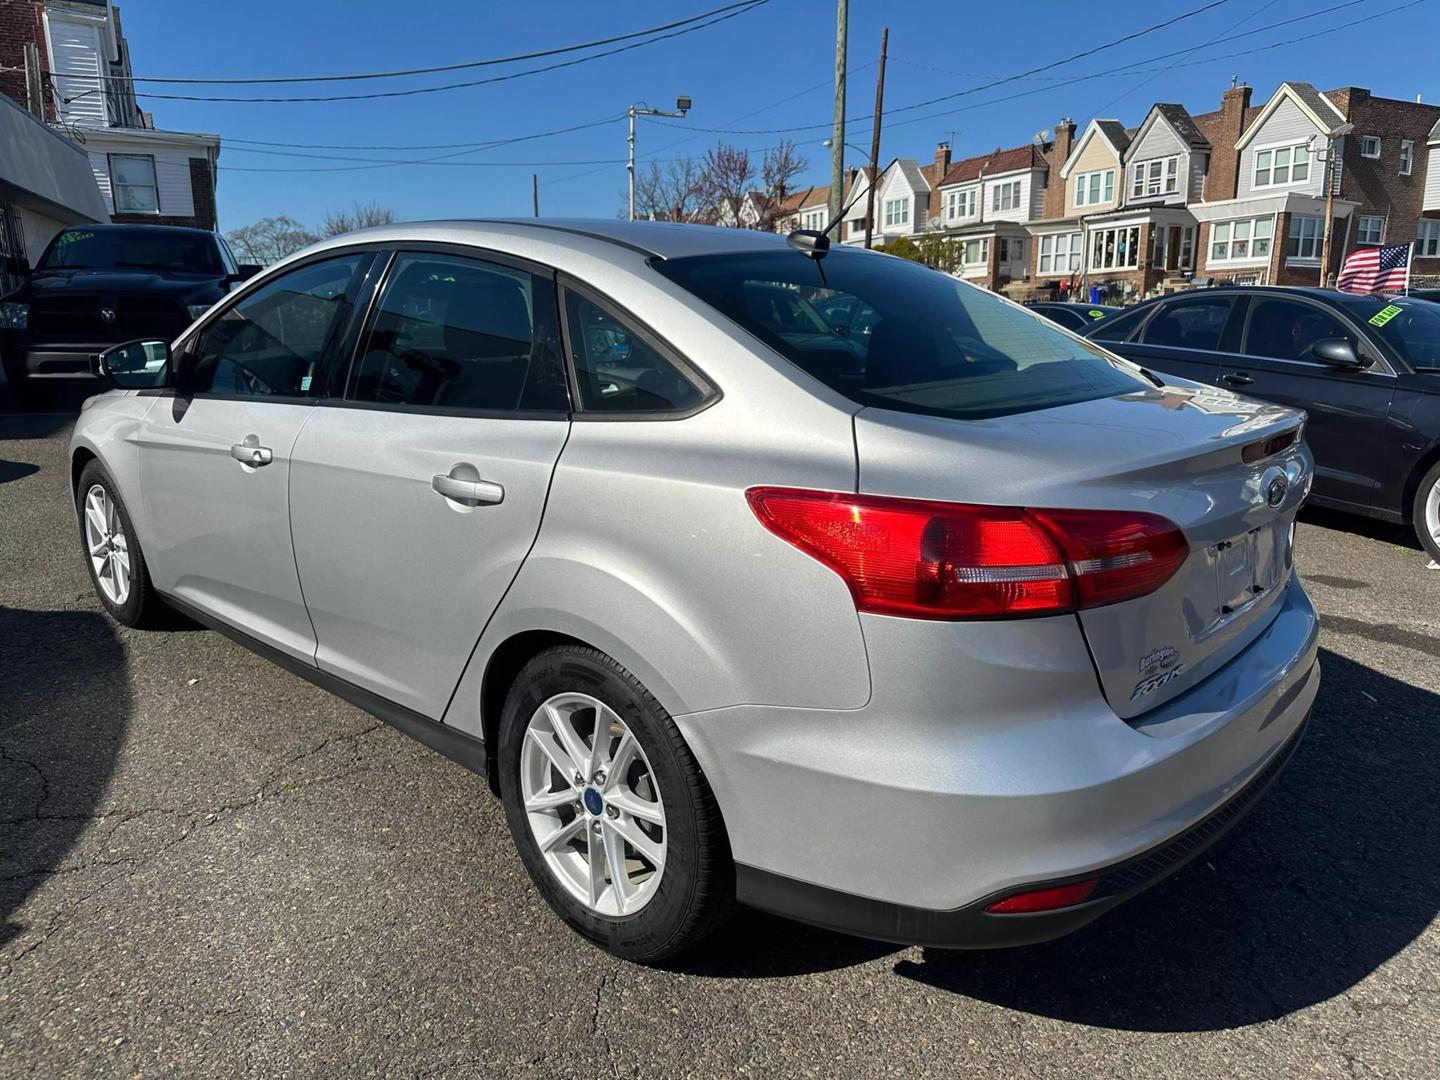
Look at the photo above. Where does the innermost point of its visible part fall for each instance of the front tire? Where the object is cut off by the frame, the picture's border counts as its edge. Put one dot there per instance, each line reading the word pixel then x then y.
pixel 112 552
pixel 609 810
pixel 1426 512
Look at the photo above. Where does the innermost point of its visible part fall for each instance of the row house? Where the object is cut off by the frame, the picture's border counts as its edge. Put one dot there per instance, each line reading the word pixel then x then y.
pixel 906 201
pixel 807 209
pixel 985 204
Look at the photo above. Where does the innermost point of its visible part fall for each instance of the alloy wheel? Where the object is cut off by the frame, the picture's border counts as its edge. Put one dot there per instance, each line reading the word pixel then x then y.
pixel 107 545
pixel 592 804
pixel 1432 512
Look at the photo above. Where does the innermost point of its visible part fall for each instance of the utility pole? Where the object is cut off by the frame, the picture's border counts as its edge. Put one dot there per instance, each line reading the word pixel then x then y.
pixel 875 141
pixel 682 106
pixel 837 144
pixel 535 194
pixel 1329 214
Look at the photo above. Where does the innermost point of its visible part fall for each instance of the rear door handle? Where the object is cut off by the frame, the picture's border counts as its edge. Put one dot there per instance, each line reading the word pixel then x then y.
pixel 475 491
pixel 1236 378
pixel 251 453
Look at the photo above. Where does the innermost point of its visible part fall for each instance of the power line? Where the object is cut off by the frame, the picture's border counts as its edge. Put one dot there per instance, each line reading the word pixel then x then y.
pixel 730 13
pixel 539 54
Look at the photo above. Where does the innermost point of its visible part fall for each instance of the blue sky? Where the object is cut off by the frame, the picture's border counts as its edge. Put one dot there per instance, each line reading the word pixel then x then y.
pixel 767 68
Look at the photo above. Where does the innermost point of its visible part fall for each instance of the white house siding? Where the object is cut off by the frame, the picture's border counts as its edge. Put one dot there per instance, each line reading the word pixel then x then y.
pixel 1159 141
pixel 896 186
pixel 75 51
pixel 1037 195
pixel 1023 211
pixel 172 175
pixel 1287 125
pixel 1432 176
pixel 1199 165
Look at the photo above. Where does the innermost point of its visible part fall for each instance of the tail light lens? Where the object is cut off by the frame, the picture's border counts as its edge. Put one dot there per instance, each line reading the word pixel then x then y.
pixel 1051 899
pixel 933 560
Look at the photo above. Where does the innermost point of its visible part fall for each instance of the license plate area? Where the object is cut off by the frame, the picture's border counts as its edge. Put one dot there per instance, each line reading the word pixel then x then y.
pixel 1249 566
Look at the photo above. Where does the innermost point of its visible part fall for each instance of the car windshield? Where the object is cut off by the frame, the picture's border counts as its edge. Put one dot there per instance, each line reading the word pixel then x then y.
pixel 932 344
pixel 1411 327
pixel 133 249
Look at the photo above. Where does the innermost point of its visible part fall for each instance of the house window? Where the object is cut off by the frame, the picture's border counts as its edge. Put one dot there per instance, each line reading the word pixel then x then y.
pixel 960 204
pixel 1115 249
pixel 813 219
pixel 132 184
pixel 1279 165
pixel 1095 187
pixel 1370 229
pixel 1248 238
pixel 1306 236
pixel 1428 244
pixel 975 252
pixel 897 211
pixel 1005 196
pixel 1187 246
pixel 1370 146
pixel 1059 254
pixel 1407 156
pixel 1159 176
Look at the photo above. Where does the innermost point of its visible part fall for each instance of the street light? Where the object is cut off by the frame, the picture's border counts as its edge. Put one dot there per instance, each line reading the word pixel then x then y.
pixel 682 106
pixel 869 190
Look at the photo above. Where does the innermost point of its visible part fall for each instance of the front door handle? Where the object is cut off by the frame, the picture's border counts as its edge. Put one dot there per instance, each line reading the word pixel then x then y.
pixel 1236 378
pixel 251 453
pixel 480 492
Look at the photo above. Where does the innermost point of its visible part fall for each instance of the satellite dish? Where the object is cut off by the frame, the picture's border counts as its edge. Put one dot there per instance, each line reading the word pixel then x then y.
pixel 1042 135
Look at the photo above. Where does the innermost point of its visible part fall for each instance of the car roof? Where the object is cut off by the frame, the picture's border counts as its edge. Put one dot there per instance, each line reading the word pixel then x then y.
pixel 140 227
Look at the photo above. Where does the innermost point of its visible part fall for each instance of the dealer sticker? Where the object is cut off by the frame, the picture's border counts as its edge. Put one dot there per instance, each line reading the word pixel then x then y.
pixel 1384 315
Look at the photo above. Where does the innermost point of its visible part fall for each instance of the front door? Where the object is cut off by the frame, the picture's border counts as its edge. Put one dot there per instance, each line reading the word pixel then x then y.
pixel 215 457
pixel 415 500
pixel 1347 409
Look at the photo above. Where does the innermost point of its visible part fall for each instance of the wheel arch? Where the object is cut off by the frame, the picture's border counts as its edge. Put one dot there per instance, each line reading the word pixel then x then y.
pixel 1428 461
pixel 501 669
pixel 79 458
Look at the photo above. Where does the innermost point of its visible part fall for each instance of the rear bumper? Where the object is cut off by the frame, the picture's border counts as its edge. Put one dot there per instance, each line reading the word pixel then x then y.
pixel 987 763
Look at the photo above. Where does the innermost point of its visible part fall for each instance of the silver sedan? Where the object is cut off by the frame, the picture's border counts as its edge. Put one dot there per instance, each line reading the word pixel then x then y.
pixel 934 623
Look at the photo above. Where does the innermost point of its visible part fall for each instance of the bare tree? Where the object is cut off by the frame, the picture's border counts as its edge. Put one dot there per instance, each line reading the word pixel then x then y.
pixel 781 165
pixel 668 194
pixel 269 239
pixel 725 178
pixel 360 216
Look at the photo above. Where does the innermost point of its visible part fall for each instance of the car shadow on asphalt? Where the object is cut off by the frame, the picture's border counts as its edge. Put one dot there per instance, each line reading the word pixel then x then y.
pixel 1387 532
pixel 1332 875
pixel 64 708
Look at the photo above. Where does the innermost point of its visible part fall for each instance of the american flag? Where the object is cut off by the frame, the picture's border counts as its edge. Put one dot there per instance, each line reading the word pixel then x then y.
pixel 1376 269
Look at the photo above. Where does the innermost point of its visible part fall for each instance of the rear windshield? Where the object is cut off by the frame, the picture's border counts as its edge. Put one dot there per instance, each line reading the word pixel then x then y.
pixel 137 249
pixel 1411 327
pixel 894 334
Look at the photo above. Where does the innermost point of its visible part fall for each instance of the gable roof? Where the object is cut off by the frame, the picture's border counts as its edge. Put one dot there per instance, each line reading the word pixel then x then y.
pixel 910 170
pixel 1112 131
pixel 1179 118
pixel 1310 101
pixel 998 161
pixel 811 197
pixel 1435 132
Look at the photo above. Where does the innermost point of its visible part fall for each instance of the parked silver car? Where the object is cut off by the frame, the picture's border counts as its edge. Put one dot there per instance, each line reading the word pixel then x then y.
pixel 958 632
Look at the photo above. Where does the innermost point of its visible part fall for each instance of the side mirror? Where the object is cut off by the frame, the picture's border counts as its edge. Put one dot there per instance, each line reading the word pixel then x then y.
pixel 1337 353
pixel 136 365
pixel 245 271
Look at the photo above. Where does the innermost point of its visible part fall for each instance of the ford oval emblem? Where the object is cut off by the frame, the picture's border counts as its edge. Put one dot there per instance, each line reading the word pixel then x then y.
pixel 1275 492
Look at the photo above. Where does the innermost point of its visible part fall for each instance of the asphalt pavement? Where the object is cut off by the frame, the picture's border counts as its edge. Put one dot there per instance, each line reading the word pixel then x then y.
pixel 208 867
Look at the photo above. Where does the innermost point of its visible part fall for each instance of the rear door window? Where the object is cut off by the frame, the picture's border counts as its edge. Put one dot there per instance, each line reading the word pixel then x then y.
pixel 1120 327
pixel 1197 323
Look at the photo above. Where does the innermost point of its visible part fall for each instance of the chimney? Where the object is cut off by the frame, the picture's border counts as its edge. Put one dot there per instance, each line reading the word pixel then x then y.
pixel 1222 179
pixel 1060 150
pixel 942 160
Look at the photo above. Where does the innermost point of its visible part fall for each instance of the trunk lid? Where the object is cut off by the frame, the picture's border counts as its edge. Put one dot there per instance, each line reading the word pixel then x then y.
pixel 1179 453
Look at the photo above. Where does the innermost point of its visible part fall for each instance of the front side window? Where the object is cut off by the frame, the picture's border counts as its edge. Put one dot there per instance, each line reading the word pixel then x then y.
pixel 1427 245
pixel 1190 324
pixel 1095 187
pixel 620 369
pixel 1245 239
pixel 132 184
pixel 1306 237
pixel 1158 176
pixel 1281 165
pixel 897 211
pixel 1413 331
pixel 1284 329
pixel 1005 196
pixel 1370 229
pixel 274 342
pixel 462 334
pixel 937 346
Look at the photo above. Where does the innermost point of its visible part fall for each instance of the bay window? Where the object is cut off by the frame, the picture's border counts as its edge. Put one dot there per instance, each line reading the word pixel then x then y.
pixel 1115 249
pixel 1245 239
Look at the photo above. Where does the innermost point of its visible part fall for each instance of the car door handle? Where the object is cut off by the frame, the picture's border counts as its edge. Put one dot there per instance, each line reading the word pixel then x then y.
pixel 251 453
pixel 1236 378
pixel 476 491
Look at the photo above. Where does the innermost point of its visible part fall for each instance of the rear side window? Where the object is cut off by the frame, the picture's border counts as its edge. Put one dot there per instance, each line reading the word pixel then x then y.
pixel 1285 329
pixel 1120 327
pixel 931 343
pixel 619 369
pixel 462 334
pixel 1190 324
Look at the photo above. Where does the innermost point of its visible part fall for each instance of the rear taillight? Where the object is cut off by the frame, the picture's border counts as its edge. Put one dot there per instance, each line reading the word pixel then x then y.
pixel 1051 899
pixel 933 560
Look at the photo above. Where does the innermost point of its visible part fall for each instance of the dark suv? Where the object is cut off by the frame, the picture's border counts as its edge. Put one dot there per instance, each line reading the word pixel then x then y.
pixel 98 285
pixel 1366 369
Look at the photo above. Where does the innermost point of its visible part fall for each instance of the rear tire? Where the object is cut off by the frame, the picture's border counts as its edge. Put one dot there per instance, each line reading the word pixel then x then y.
pixel 626 906
pixel 1426 512
pixel 112 553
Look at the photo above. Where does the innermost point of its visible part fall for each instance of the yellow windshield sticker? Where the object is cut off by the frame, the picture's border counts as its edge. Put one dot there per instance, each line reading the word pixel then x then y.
pixel 71 237
pixel 1384 315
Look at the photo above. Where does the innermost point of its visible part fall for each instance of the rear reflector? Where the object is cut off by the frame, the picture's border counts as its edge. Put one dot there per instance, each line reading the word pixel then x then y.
pixel 934 560
pixel 1052 899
